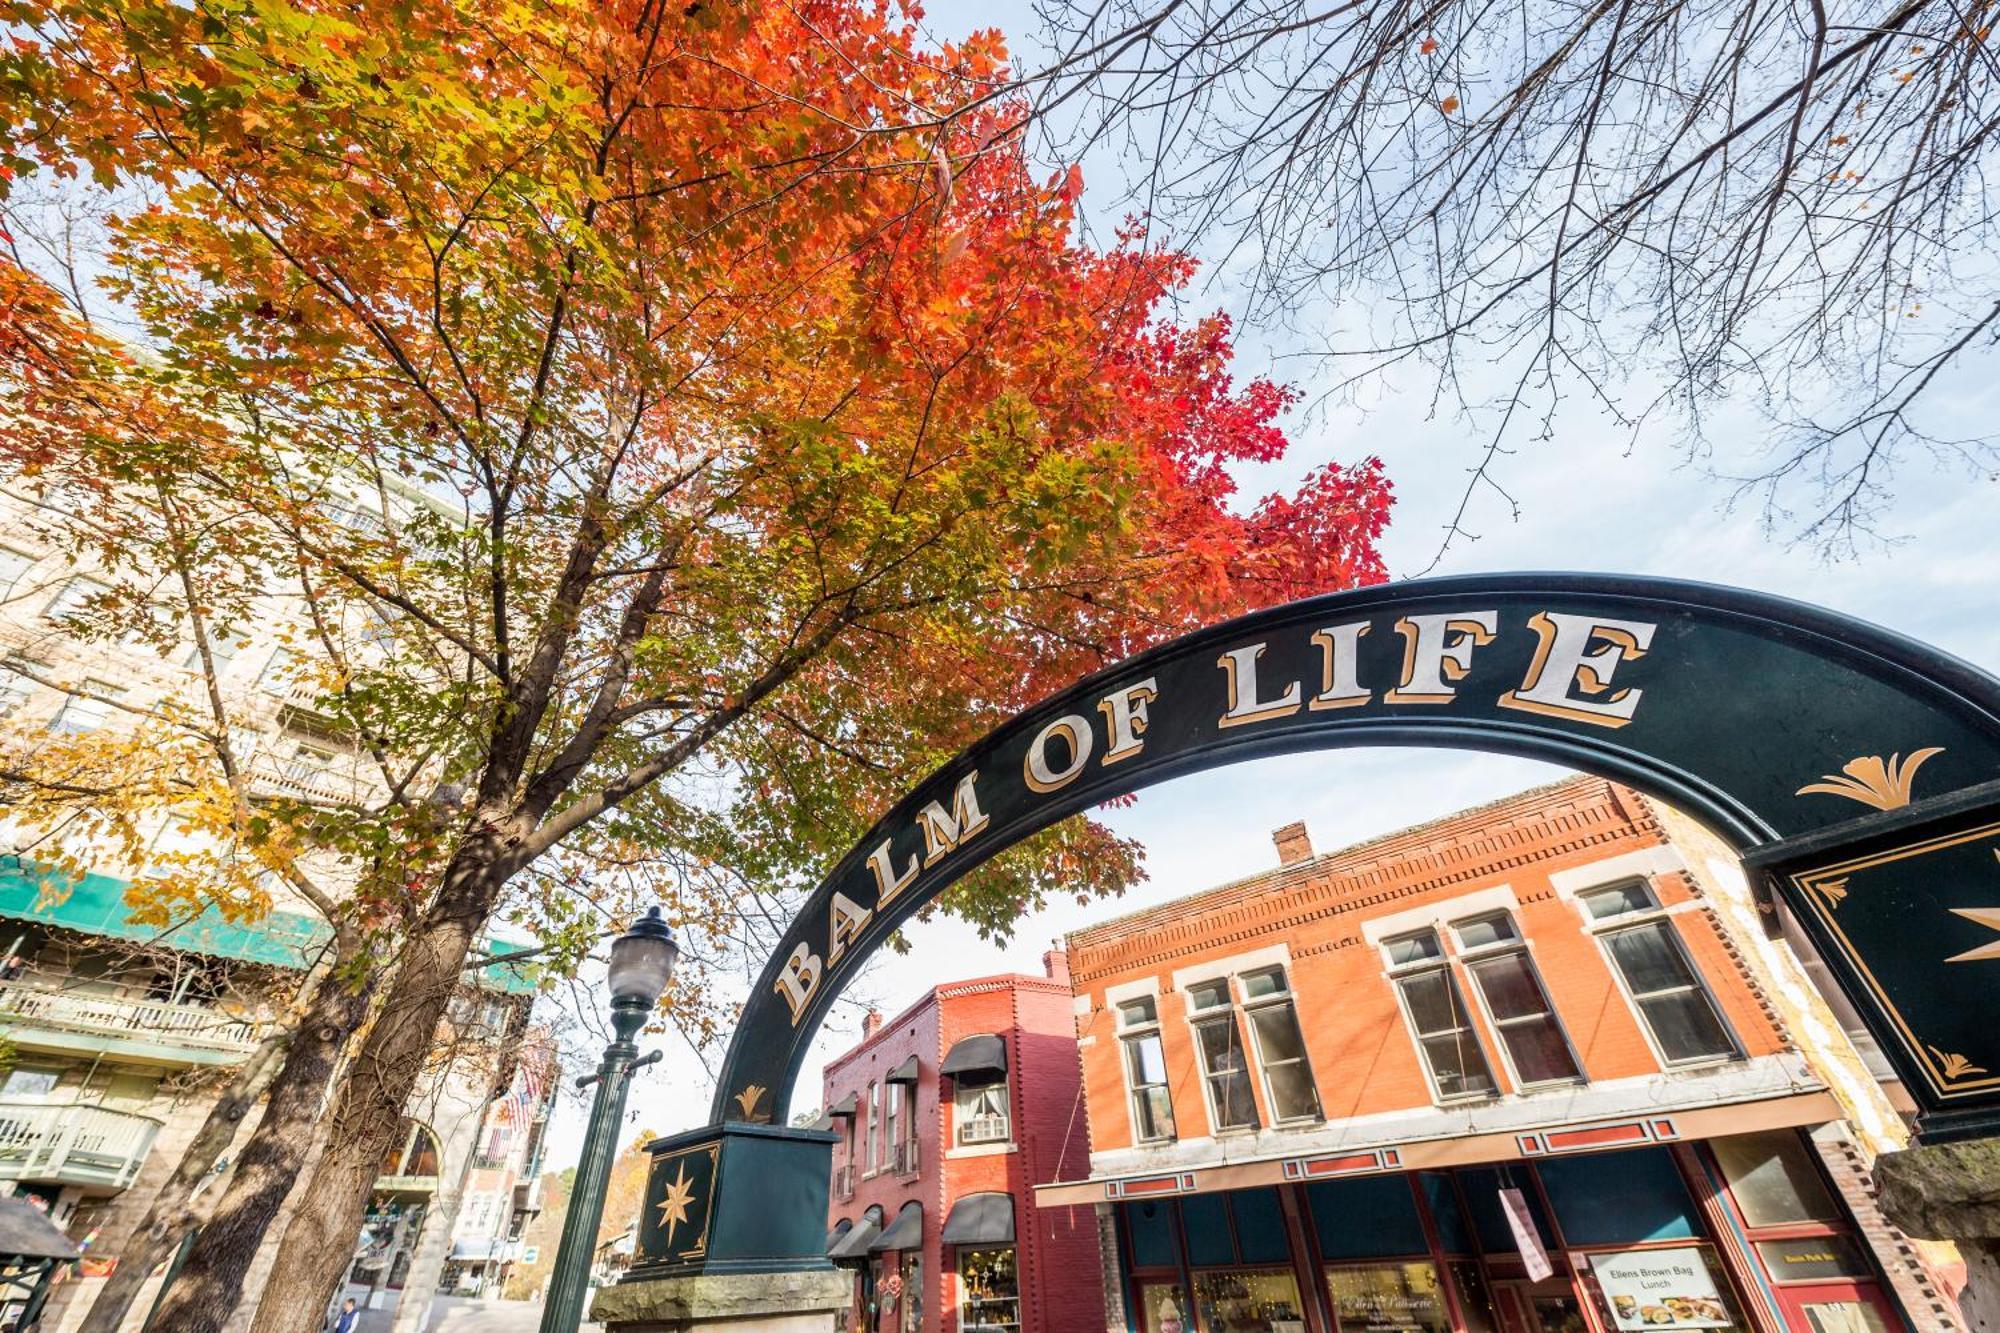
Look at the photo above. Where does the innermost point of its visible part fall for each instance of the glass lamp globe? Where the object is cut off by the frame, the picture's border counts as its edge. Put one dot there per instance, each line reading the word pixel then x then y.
pixel 642 960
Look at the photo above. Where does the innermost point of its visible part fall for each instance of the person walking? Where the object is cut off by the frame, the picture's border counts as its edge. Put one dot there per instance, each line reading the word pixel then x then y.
pixel 348 1320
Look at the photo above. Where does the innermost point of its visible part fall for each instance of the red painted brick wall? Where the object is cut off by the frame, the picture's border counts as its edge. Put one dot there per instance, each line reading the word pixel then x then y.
pixel 1055 1249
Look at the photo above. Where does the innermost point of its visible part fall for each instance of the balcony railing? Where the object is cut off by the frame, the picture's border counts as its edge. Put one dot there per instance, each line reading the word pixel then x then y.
pixel 46 1004
pixel 904 1158
pixel 983 1129
pixel 843 1183
pixel 77 1145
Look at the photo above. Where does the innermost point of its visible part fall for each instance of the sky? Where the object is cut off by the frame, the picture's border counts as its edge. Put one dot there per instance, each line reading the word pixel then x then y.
pixel 1588 502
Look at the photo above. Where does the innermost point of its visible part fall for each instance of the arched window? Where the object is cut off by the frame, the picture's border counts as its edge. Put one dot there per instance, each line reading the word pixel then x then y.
pixel 415 1152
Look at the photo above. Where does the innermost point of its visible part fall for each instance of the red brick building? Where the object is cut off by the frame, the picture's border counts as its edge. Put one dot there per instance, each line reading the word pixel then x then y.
pixel 949 1114
pixel 1520 1070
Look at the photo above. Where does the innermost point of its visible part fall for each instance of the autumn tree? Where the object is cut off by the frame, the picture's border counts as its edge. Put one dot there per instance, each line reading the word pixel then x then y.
pixel 1648 210
pixel 669 430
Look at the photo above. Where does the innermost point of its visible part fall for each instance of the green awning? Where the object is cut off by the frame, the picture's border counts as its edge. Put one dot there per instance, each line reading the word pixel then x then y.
pixel 95 905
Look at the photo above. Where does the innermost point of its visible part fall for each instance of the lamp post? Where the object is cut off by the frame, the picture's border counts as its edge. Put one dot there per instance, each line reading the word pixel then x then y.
pixel 642 961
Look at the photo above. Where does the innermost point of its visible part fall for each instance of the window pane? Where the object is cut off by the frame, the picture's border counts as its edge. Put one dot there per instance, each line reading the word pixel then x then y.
pixel 1433 1003
pixel 1686 1026
pixel 1148 1062
pixel 1229 1074
pixel 1636 896
pixel 1413 948
pixel 1278 1033
pixel 1260 984
pixel 1538 1050
pixel 1388 1298
pixel 1208 995
pixel 1154 1111
pixel 1293 1096
pixel 1774 1179
pixel 1458 1065
pixel 1133 1012
pixel 1648 957
pixel 1485 930
pixel 1510 987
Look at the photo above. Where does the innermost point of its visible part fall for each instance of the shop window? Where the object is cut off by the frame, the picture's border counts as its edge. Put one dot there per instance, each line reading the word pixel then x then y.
pixel 1646 951
pixel 1146 1070
pixel 1619 1198
pixel 1388 1298
pixel 1248 1300
pixel 1150 1226
pixel 1205 1223
pixel 1281 1047
pixel 1644 1291
pixel 1224 1065
pixel 1475 1298
pixel 1442 1199
pixel 1162 1306
pixel 913 1293
pixel 1260 1226
pixel 1369 1217
pixel 1480 1186
pixel 1453 1059
pixel 982 1113
pixel 989 1293
pixel 1774 1180
pixel 1496 958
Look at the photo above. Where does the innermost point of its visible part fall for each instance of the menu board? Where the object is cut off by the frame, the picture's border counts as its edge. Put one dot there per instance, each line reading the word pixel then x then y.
pixel 1660 1289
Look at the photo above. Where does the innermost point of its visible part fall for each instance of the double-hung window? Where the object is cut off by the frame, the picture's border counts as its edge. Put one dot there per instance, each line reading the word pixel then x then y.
pixel 85 710
pixel 1146 1070
pixel 1281 1047
pixel 74 597
pixel 1439 1020
pixel 874 1128
pixel 1225 1064
pixel 13 565
pixel 1646 951
pixel 1531 1037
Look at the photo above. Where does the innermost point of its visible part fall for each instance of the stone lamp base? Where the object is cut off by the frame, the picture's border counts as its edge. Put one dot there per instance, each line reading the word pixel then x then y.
pixel 796 1302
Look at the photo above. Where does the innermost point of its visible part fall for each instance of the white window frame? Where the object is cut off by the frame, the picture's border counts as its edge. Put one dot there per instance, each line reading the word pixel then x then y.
pixel 1397 973
pixel 68 599
pixel 1463 958
pixel 15 688
pixel 1139 1031
pixel 961 1121
pixel 874 1129
pixel 9 582
pixel 1602 928
pixel 1286 996
pixel 1230 1012
pixel 91 700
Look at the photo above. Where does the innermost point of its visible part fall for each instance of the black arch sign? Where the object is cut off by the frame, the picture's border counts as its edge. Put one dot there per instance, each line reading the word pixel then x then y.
pixel 1835 754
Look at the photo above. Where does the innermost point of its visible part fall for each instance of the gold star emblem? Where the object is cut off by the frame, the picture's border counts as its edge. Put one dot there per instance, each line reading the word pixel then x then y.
pixel 1988 917
pixel 674 1208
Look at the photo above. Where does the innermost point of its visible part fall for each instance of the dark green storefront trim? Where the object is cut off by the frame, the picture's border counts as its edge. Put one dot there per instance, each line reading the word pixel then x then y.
pixel 95 905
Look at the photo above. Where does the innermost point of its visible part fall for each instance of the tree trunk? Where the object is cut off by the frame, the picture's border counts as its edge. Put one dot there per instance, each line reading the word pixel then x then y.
pixel 172 1211
pixel 319 1243
pixel 205 1293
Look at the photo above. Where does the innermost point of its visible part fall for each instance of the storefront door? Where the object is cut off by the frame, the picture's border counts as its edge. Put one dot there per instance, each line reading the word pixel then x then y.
pixel 1836 1307
pixel 1549 1306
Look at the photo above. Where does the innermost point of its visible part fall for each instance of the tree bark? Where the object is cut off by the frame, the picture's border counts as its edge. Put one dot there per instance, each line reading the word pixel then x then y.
pixel 319 1242
pixel 205 1293
pixel 172 1211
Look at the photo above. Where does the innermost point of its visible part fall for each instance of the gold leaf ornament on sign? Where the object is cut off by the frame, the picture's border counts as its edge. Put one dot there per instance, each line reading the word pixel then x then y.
pixel 1953 1064
pixel 748 1099
pixel 1874 781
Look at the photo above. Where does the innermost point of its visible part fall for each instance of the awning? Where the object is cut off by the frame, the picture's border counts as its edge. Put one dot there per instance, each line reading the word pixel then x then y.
pixel 845 1106
pixel 983 1056
pixel 980 1219
pixel 825 1122
pixel 905 1233
pixel 27 1233
pixel 905 1072
pixel 853 1247
pixel 840 1229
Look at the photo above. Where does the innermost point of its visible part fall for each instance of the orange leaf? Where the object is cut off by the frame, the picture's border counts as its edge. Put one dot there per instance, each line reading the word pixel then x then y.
pixel 1449 105
pixel 1430 46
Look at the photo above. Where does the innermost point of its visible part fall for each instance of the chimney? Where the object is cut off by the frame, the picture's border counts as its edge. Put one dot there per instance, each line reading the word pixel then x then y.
pixel 1055 962
pixel 1294 843
pixel 871 1023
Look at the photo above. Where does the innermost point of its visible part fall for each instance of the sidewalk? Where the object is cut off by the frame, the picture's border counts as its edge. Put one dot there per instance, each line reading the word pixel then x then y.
pixel 462 1314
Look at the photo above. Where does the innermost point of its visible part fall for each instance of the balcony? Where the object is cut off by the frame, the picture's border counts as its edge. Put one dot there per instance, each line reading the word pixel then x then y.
pixel 904 1158
pixel 73 1145
pixel 139 1029
pixel 316 783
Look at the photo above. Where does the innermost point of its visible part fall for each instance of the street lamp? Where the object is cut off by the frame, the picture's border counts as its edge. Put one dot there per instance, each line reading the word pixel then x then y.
pixel 642 962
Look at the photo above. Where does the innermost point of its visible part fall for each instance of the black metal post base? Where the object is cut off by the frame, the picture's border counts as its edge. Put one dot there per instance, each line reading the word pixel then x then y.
pixel 735 1198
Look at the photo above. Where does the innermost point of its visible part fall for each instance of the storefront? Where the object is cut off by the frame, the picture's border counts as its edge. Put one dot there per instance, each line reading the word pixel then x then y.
pixel 1736 1234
